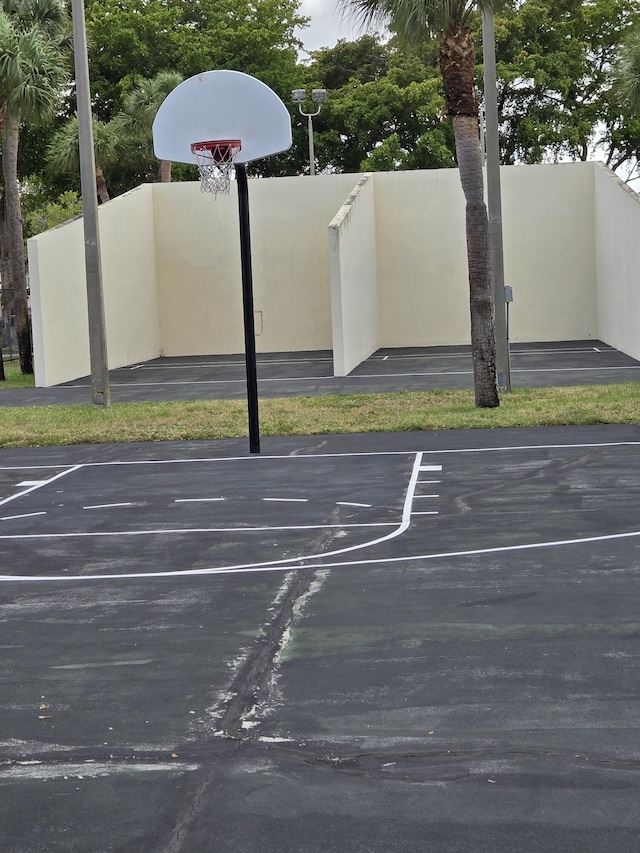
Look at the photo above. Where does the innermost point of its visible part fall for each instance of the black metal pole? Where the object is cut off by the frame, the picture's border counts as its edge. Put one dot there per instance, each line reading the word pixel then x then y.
pixel 247 304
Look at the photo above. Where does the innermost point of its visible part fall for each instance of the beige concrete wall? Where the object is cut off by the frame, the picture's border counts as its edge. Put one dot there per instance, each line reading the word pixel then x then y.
pixel 198 263
pixel 354 289
pixel 422 274
pixel 549 255
pixel 172 280
pixel 549 251
pixel 59 299
pixel 58 305
pixel 617 223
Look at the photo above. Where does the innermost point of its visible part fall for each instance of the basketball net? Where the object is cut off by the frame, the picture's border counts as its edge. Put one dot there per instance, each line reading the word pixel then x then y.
pixel 214 160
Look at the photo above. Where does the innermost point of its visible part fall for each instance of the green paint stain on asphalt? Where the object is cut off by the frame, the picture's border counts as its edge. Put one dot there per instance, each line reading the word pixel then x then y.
pixel 309 642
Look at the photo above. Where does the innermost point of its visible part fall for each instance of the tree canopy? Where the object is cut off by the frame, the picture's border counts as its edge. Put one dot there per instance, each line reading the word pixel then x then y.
pixel 139 38
pixel 556 98
pixel 385 109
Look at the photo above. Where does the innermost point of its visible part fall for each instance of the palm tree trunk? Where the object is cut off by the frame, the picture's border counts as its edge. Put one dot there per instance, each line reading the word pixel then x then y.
pixel 483 348
pixel 164 172
pixel 101 186
pixel 4 284
pixel 14 240
pixel 457 63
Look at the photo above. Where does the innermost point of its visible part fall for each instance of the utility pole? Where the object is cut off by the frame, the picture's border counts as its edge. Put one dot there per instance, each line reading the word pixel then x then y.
pixel 494 199
pixel 100 392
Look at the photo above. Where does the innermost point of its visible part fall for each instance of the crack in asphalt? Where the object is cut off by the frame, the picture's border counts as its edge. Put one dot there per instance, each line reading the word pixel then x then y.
pixel 253 680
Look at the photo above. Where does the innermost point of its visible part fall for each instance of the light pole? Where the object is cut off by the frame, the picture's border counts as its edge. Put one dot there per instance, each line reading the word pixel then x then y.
pixel 318 96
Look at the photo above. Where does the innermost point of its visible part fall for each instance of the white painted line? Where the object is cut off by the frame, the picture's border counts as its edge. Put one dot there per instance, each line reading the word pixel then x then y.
pixel 195 500
pixel 183 530
pixel 457 373
pixel 288 500
pixel 26 515
pixel 39 485
pixel 411 489
pixel 425 513
pixel 276 566
pixel 32 483
pixel 107 506
pixel 29 467
pixel 216 364
pixel 427 496
pixel 569 369
pixel 100 664
pixel 351 503
pixel 255 460
pixel 529 546
pixel 517 447
pixel 446 355
pixel 431 467
pixel 428 482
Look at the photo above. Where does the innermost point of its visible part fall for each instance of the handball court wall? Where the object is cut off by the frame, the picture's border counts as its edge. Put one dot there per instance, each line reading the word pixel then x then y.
pixel 348 263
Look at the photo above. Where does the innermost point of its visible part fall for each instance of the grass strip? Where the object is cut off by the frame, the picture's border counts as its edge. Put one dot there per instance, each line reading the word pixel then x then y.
pixel 14 378
pixel 347 413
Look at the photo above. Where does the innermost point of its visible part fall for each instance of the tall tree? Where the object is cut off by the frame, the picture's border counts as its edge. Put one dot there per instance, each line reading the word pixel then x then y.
pixel 133 39
pixel 449 20
pixel 63 151
pixel 140 107
pixel 626 71
pixel 555 94
pixel 33 70
pixel 385 109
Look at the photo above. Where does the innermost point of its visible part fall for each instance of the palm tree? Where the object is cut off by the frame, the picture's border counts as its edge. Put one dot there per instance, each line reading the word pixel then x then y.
pixel 33 70
pixel 140 108
pixel 448 20
pixel 63 151
pixel 627 72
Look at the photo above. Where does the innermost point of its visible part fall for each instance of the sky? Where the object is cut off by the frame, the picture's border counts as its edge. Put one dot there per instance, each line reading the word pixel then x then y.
pixel 326 25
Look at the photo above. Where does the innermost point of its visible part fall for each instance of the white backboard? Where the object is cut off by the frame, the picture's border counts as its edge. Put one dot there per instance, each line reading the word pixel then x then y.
pixel 221 105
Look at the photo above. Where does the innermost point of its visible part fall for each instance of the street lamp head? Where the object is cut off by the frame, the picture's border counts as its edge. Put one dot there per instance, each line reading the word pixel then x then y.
pixel 299 96
pixel 318 96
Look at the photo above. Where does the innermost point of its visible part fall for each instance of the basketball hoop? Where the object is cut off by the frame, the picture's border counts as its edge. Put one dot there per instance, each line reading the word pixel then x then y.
pixel 215 162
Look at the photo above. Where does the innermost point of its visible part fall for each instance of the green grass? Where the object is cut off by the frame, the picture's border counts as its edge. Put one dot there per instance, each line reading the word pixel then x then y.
pixel 14 378
pixel 401 411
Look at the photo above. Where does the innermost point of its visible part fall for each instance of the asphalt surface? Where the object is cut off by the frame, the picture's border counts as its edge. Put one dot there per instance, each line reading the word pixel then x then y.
pixel 311 373
pixel 407 642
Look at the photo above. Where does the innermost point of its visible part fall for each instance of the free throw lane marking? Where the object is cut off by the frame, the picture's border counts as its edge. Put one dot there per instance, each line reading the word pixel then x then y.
pixel 195 500
pixel 299 560
pixel 288 500
pixel 107 506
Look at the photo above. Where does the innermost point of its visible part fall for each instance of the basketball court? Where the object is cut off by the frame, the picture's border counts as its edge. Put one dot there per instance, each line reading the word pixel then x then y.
pixel 355 642
pixel 399 642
